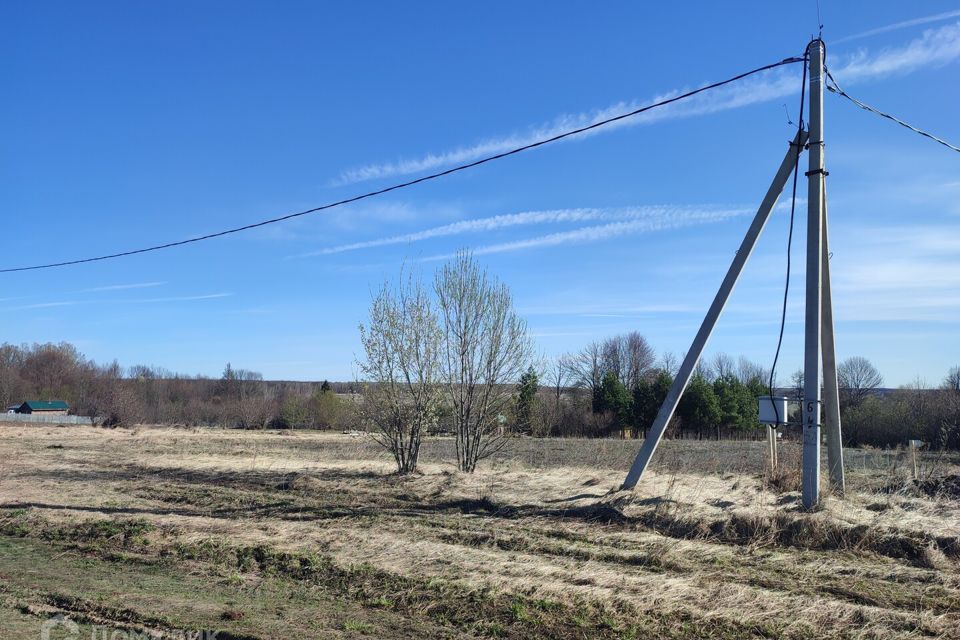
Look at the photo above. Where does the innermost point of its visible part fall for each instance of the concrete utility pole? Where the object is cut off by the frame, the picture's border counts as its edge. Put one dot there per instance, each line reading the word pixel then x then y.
pixel 811 359
pixel 709 322
pixel 818 339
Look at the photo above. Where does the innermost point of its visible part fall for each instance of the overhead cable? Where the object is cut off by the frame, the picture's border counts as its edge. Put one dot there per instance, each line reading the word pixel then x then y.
pixel 410 183
pixel 835 88
pixel 793 208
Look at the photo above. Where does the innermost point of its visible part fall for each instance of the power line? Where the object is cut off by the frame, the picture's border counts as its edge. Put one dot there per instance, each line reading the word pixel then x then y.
pixel 410 183
pixel 837 90
pixel 793 208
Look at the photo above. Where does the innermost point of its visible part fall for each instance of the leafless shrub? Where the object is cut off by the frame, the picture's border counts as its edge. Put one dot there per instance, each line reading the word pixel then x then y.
pixel 485 346
pixel 401 397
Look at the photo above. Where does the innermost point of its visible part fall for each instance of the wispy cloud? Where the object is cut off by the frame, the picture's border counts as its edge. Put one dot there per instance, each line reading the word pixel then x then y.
pixel 606 309
pixel 207 296
pixel 760 88
pixel 896 26
pixel 936 46
pixel 602 232
pixel 120 287
pixel 44 305
pixel 903 273
pixel 554 216
pixel 119 301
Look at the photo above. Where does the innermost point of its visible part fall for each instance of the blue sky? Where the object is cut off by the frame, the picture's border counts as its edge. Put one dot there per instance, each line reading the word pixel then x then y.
pixel 127 124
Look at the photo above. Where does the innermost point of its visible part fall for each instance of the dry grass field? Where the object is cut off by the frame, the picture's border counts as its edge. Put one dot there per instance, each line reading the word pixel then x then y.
pixel 309 535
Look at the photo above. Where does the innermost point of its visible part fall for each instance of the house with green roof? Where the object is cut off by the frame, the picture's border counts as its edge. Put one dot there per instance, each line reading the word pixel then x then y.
pixel 45 407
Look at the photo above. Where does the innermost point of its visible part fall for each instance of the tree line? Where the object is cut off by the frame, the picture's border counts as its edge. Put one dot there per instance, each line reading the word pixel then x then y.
pixel 592 393
pixel 450 355
pixel 151 395
pixel 453 356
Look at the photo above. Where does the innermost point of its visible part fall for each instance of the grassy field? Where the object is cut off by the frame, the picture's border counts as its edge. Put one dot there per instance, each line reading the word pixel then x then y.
pixel 308 535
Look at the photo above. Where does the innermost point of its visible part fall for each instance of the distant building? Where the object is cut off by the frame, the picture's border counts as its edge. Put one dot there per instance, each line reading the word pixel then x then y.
pixel 45 407
pixel 13 408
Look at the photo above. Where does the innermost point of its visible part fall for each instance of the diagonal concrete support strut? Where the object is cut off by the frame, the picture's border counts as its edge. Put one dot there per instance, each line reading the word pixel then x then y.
pixel 831 392
pixel 689 364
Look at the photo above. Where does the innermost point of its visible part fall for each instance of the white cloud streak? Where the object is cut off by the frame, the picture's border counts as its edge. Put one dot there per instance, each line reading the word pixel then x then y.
pixel 120 287
pixel 900 273
pixel 494 223
pixel 605 231
pixel 43 305
pixel 934 47
pixel 70 303
pixel 896 26
pixel 208 296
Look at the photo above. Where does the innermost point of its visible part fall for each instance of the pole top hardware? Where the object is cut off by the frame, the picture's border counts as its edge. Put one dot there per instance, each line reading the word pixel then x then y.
pixel 815 171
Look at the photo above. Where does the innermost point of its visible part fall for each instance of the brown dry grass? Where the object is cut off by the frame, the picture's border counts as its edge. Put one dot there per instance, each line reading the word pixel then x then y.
pixel 709 545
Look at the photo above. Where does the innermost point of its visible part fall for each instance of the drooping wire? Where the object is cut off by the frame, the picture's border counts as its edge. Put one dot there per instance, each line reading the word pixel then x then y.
pixel 793 208
pixel 410 183
pixel 835 88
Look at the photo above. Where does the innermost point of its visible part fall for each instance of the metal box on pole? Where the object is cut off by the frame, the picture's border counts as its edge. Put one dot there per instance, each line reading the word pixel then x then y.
pixel 773 409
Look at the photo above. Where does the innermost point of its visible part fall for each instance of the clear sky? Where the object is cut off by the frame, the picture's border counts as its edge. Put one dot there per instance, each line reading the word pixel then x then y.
pixel 134 123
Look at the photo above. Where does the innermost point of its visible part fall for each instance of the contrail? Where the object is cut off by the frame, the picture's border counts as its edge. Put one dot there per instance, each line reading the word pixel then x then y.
pixel 899 25
pixel 556 216
pixel 937 46
pixel 603 232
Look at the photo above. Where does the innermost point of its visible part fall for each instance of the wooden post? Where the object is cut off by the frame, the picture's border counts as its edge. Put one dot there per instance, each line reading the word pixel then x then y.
pixel 772 444
pixel 914 445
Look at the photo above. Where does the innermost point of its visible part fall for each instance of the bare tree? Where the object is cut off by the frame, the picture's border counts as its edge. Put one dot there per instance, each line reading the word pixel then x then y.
pixel 952 381
pixel 637 357
pixel 748 370
pixel 557 376
pixel 669 362
pixel 722 365
pixel 628 356
pixel 797 382
pixel 587 367
pixel 401 397
pixel 857 378
pixel 11 362
pixel 486 346
pixel 560 371
pixel 243 391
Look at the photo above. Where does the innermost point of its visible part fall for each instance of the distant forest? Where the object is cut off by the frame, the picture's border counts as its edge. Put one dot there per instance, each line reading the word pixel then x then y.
pixel 611 388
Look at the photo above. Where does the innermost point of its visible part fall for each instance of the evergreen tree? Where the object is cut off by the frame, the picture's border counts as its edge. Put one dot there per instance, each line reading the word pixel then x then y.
pixel 735 402
pixel 699 408
pixel 661 386
pixel 645 405
pixel 526 401
pixel 325 387
pixel 613 398
pixel 648 396
pixel 757 387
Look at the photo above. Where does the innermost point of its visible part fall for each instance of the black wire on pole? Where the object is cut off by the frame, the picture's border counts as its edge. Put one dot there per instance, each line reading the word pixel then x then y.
pixel 410 183
pixel 793 207
pixel 840 92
